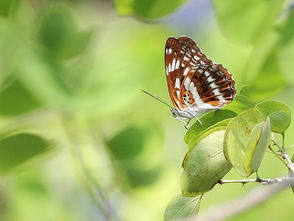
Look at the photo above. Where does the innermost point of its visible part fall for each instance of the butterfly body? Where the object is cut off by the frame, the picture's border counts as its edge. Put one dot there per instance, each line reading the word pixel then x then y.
pixel 196 85
pixel 194 112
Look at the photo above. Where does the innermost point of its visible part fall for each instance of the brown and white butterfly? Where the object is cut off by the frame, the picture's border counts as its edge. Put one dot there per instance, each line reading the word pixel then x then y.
pixel 196 85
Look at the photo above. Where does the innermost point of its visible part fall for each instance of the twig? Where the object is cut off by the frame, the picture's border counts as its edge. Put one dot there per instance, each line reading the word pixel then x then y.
pixel 278 156
pixel 287 160
pixel 250 200
pixel 282 155
pixel 256 180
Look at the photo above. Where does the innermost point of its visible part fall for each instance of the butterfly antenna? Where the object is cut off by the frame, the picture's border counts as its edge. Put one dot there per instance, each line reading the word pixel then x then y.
pixel 157 98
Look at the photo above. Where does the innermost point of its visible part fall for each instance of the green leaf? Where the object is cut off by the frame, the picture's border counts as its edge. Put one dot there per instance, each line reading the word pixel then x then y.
pixel 120 144
pixel 129 150
pixel 8 6
pixel 211 121
pixel 138 176
pixel 182 207
pixel 19 148
pixel 240 104
pixel 233 18
pixel 12 92
pixel 147 9
pixel 246 139
pixel 204 165
pixel 59 33
pixel 279 114
pixel 245 90
pixel 258 145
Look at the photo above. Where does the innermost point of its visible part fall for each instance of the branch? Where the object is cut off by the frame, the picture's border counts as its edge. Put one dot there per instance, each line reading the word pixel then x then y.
pixel 250 200
pixel 256 180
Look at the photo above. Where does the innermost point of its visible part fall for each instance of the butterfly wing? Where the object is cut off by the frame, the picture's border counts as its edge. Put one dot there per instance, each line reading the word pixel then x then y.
pixel 174 69
pixel 194 80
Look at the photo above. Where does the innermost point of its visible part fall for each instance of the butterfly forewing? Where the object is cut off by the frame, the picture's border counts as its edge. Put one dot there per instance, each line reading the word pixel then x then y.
pixel 194 80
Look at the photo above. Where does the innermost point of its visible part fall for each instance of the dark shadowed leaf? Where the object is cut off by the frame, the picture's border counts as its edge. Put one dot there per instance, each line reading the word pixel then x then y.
pixel 128 143
pixel 182 207
pixel 212 121
pixel 8 6
pixel 147 9
pixel 279 114
pixel 247 137
pixel 60 35
pixel 15 99
pixel 129 150
pixel 138 176
pixel 17 149
pixel 204 165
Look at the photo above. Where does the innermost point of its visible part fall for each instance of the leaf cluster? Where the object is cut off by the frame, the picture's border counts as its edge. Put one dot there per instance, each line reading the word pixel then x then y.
pixel 235 137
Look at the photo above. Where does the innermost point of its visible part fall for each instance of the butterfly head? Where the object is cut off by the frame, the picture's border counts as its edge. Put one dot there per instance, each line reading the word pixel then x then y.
pixel 175 113
pixel 179 114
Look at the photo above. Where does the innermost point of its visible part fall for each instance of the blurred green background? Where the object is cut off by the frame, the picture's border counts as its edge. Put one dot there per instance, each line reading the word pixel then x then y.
pixel 80 141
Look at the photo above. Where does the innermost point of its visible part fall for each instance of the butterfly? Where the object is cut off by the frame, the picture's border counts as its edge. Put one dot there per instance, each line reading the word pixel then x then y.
pixel 196 85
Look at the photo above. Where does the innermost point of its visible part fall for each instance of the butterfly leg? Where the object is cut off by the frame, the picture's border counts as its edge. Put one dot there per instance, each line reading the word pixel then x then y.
pixel 197 118
pixel 186 124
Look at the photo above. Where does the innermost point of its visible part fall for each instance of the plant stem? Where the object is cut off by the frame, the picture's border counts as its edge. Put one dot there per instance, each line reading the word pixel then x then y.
pixel 283 142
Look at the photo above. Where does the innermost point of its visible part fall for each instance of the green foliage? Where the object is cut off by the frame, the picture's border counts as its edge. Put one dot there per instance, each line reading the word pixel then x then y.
pixel 263 68
pixel 270 78
pixel 119 144
pixel 286 44
pixel 73 72
pixel 233 17
pixel 246 139
pixel 279 114
pixel 14 91
pixel 127 157
pixel 240 104
pixel 17 149
pixel 204 165
pixel 182 207
pixel 59 34
pixel 210 122
pixel 147 9
pixel 7 7
pixel 242 101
